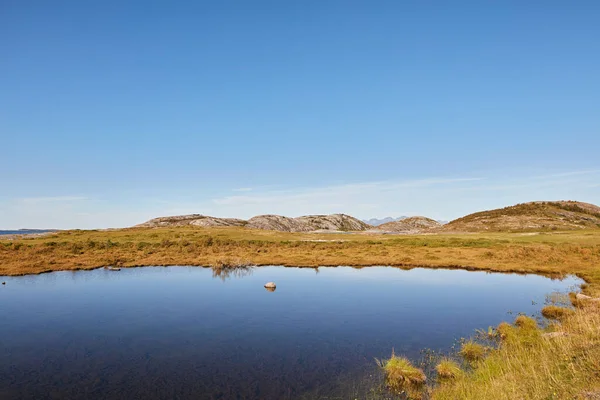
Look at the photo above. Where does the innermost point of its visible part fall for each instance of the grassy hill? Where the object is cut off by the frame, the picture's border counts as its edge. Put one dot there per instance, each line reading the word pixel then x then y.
pixel 529 217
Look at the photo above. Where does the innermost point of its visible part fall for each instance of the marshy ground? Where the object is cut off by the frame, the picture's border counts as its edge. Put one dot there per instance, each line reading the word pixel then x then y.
pixel 574 252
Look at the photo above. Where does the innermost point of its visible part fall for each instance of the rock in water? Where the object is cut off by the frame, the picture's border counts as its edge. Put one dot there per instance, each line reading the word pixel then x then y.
pixel 270 285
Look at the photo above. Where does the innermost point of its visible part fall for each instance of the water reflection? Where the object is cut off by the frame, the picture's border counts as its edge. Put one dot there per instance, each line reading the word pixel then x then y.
pixel 226 271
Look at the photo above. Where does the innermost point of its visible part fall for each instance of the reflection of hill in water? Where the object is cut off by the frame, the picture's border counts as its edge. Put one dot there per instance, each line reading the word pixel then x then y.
pixel 225 272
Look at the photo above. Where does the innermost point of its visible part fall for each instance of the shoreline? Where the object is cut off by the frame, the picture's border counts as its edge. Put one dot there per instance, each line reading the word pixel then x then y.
pixel 553 255
pixel 405 267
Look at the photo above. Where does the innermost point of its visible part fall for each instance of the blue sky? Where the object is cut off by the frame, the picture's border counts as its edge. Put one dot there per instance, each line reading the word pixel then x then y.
pixel 115 112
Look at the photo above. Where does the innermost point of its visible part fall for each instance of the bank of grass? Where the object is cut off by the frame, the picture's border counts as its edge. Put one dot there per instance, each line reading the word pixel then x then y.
pixel 526 365
pixel 527 361
pixel 529 364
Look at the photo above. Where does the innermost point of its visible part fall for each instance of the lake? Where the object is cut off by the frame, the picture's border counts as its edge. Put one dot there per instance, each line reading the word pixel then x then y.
pixel 25 231
pixel 188 333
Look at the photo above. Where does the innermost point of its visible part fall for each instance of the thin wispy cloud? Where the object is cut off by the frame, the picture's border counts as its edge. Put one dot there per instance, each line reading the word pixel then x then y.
pixel 566 174
pixel 362 199
pixel 438 197
pixel 244 189
pixel 52 199
pixel 315 193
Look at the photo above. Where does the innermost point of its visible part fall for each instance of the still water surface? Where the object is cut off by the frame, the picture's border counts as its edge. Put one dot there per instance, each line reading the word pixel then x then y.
pixel 183 332
pixel 25 231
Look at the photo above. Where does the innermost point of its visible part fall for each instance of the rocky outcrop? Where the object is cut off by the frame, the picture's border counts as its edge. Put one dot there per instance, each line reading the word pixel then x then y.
pixel 193 220
pixel 584 298
pixel 410 225
pixel 277 223
pixel 333 222
pixel 309 223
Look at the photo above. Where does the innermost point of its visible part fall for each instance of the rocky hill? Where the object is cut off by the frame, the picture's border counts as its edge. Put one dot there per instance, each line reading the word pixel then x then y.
pixel 333 222
pixel 526 217
pixel 193 220
pixel 534 216
pixel 277 223
pixel 309 223
pixel 409 225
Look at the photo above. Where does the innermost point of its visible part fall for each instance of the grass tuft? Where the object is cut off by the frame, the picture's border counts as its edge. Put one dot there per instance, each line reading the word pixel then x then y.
pixel 472 351
pixel 448 369
pixel 556 312
pixel 403 377
pixel 505 331
pixel 526 323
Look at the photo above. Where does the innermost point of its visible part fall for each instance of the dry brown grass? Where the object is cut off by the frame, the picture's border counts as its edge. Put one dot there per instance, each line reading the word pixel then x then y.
pixel 556 312
pixel 402 377
pixel 448 370
pixel 505 331
pixel 525 322
pixel 472 351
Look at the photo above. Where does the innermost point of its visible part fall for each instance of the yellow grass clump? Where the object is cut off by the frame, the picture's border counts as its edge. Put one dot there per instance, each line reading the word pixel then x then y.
pixel 527 330
pixel 472 351
pixel 556 312
pixel 448 369
pixel 505 331
pixel 402 377
pixel 525 322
